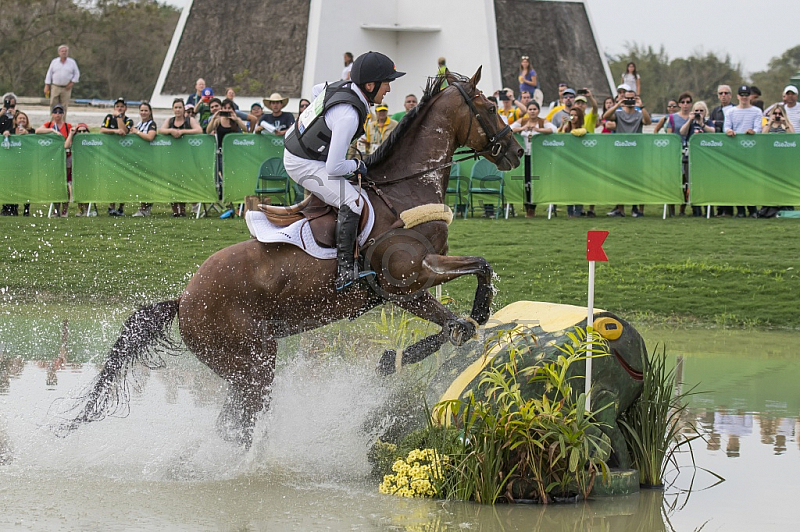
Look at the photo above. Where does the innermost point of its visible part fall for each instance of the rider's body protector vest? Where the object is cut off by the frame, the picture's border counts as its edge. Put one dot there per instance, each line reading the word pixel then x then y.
pixel 310 138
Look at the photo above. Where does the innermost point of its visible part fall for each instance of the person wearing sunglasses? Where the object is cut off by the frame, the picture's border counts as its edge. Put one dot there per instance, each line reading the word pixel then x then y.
pixel 717 115
pixel 80 129
pixel 672 107
pixel 777 121
pixel 527 76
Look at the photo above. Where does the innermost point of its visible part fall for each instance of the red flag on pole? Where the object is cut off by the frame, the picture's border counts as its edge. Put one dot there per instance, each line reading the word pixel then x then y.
pixel 594 246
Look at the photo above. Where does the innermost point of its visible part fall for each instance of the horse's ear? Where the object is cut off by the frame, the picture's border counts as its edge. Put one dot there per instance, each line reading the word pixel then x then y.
pixel 449 76
pixel 476 77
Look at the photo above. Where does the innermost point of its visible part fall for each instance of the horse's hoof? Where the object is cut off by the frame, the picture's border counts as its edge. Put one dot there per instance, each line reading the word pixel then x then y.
pixel 461 330
pixel 386 363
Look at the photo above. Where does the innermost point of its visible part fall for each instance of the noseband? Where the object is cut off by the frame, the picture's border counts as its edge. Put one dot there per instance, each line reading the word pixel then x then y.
pixel 494 143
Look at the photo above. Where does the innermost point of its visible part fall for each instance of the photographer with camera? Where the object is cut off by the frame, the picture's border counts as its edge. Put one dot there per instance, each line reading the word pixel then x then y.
pixel 225 121
pixel 7 116
pixel 630 116
pixel 777 121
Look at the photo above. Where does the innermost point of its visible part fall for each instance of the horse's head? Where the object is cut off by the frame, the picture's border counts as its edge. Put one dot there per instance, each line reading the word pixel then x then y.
pixel 483 130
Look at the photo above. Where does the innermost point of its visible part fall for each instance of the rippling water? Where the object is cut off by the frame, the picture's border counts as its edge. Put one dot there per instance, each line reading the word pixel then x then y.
pixel 163 467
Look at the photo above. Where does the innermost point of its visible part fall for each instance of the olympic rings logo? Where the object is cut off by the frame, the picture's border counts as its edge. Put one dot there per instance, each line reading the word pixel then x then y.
pixel 126 142
pixel 195 142
pixel 277 142
pixel 747 143
pixel 589 143
pixel 45 142
pixel 661 143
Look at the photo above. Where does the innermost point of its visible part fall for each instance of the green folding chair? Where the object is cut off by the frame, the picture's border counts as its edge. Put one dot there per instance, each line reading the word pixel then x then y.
pixel 455 188
pixel 273 181
pixel 486 180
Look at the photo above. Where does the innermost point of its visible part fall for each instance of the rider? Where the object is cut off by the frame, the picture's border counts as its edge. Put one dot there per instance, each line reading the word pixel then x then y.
pixel 316 150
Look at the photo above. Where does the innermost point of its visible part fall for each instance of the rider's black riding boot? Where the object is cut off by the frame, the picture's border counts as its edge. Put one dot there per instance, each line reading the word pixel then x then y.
pixel 346 232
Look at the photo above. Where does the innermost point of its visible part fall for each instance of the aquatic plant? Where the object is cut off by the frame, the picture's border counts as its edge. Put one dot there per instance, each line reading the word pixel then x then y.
pixel 655 426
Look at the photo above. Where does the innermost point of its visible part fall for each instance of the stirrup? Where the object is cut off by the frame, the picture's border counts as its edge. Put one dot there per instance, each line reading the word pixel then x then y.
pixel 357 277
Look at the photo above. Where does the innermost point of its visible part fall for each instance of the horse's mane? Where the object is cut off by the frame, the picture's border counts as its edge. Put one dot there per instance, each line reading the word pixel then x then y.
pixel 434 86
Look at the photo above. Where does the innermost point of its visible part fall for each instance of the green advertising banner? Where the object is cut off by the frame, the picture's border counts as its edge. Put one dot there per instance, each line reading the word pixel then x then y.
pixel 33 169
pixel 242 155
pixel 745 169
pixel 610 169
pixel 113 168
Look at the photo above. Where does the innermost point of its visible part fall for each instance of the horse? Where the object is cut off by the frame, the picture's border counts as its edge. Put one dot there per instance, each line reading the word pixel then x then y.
pixel 246 296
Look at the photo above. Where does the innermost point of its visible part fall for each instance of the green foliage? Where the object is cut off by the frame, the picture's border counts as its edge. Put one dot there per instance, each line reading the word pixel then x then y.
pixel 119 44
pixel 397 328
pixel 245 84
pixel 663 78
pixel 523 448
pixel 776 77
pixel 656 425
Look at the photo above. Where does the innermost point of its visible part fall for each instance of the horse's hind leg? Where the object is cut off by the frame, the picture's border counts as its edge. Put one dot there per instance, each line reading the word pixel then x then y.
pixel 248 394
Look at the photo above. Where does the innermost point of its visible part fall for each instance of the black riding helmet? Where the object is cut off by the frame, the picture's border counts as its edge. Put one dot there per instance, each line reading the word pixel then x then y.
pixel 373 67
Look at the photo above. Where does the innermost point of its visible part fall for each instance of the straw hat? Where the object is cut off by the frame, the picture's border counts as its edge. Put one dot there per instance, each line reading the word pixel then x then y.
pixel 276 97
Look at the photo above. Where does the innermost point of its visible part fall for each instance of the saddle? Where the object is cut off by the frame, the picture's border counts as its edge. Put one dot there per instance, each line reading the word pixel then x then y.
pixel 319 215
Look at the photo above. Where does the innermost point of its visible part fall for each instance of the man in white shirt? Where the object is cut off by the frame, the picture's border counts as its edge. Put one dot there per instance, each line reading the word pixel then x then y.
pixel 790 104
pixel 744 118
pixel 62 74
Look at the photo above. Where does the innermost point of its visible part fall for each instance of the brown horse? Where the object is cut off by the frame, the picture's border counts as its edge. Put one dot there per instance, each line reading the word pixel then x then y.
pixel 246 296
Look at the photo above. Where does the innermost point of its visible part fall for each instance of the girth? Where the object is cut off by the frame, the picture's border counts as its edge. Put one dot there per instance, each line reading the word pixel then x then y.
pixel 320 216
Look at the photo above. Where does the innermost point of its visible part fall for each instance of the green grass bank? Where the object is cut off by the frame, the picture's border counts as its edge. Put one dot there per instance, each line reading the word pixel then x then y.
pixel 683 271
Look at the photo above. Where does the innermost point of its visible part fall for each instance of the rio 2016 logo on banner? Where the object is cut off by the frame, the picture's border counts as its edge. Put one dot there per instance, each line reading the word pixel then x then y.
pixel 126 142
pixel 45 142
pixel 747 143
pixel 661 143
pixel 195 142
pixel 589 143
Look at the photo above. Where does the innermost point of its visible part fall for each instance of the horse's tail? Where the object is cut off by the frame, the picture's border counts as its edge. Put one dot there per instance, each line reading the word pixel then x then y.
pixel 144 337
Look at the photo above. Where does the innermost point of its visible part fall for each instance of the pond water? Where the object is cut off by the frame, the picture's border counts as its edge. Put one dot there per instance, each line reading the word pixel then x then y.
pixel 163 467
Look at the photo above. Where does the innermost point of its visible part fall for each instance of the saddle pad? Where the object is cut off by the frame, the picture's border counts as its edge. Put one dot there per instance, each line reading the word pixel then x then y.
pixel 299 233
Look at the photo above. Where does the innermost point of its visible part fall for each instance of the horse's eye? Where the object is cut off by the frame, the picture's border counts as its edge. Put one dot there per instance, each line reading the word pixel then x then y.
pixel 492 109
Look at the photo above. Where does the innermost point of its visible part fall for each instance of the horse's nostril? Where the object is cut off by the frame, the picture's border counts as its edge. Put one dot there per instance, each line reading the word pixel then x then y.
pixel 520 153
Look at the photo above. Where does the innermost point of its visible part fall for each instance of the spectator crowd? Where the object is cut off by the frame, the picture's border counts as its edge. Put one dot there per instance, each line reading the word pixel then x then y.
pixel 575 111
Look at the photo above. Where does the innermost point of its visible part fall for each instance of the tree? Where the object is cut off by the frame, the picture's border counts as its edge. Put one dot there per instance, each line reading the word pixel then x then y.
pixel 777 76
pixel 664 79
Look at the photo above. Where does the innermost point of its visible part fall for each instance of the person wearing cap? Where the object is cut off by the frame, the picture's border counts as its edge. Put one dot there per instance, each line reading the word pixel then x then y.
pixel 117 123
pixel 277 122
pixel 379 129
pixel 790 104
pixel 568 97
pixel 316 150
pixel 582 102
pixel 254 117
pixel 57 124
pixel 743 119
pixel 61 75
pixel 558 104
pixel 202 109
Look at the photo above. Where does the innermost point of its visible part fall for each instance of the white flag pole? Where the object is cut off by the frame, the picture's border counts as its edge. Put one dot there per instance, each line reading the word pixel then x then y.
pixel 589 321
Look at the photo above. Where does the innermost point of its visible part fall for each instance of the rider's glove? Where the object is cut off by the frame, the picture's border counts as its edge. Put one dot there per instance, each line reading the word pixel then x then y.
pixel 362 169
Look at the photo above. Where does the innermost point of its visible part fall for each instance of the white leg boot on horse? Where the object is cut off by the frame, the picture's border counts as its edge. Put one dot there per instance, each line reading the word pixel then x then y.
pixel 346 233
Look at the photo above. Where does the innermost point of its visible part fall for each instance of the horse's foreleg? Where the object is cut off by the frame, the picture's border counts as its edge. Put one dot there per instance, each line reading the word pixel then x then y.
pixel 445 269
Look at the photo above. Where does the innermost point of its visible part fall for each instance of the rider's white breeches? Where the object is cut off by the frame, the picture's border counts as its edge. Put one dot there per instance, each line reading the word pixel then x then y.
pixel 311 175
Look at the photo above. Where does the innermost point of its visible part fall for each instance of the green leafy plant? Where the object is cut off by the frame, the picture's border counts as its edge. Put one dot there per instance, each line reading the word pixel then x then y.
pixel 656 427
pixel 515 445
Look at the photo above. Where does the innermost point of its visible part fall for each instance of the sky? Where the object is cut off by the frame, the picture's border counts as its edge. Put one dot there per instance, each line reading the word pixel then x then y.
pixel 740 28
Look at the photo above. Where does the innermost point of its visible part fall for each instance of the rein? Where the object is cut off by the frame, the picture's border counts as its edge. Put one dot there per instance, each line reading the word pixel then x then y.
pixel 493 146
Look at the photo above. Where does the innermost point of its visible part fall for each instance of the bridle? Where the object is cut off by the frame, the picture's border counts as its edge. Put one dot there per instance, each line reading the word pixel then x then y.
pixel 494 143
